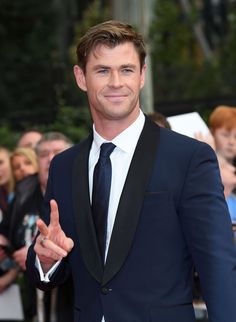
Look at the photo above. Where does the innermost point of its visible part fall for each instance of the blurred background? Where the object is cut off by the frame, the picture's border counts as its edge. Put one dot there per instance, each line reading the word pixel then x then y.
pixel 192 59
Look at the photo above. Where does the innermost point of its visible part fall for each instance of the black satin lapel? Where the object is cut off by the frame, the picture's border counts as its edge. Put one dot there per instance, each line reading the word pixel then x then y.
pixel 131 199
pixel 82 211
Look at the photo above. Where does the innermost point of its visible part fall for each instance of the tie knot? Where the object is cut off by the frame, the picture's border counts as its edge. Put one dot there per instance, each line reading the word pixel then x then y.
pixel 106 149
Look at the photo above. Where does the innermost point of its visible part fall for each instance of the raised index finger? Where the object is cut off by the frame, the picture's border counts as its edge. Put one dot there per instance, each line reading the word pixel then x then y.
pixel 54 216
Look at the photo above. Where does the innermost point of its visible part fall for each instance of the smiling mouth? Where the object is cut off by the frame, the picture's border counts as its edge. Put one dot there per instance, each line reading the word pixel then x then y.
pixel 115 97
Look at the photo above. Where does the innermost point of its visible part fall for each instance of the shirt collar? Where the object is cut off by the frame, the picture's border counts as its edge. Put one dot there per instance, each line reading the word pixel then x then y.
pixel 127 139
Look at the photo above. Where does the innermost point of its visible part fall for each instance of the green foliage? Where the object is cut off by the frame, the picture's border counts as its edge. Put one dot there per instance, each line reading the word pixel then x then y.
pixel 37 87
pixel 180 70
pixel 228 57
pixel 8 139
pixel 94 14
pixel 73 122
pixel 171 34
pixel 38 90
pixel 27 61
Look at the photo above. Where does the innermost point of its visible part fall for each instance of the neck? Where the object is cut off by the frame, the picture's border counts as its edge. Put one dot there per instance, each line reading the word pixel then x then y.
pixel 109 129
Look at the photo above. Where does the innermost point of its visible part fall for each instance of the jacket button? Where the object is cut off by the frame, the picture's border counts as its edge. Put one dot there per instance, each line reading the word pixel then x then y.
pixel 105 290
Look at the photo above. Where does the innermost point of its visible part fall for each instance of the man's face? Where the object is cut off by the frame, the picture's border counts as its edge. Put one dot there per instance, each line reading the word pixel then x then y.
pixel 46 151
pixel 225 141
pixel 113 80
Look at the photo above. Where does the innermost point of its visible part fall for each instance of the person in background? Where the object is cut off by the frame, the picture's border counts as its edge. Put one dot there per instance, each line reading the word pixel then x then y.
pixel 23 163
pixel 166 211
pixel 222 124
pixel 8 271
pixel 159 119
pixel 29 139
pixel 18 226
pixel 49 145
pixel 6 180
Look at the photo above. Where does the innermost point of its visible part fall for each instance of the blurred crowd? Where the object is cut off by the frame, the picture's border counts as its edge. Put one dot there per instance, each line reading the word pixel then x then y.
pixel 23 179
pixel 222 139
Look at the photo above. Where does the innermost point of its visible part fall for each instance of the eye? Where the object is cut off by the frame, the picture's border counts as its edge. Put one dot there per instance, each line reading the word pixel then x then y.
pixel 127 70
pixel 225 134
pixel 102 71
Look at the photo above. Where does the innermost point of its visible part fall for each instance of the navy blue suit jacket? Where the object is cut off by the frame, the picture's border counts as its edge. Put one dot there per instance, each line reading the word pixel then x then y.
pixel 171 215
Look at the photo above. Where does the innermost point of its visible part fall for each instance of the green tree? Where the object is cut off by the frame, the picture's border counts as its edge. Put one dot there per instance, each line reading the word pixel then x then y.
pixel 28 61
pixel 227 56
pixel 75 122
pixel 180 70
pixel 37 88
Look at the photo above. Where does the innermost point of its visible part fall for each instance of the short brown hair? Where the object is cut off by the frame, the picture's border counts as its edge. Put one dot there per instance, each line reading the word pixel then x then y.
pixel 109 33
pixel 223 117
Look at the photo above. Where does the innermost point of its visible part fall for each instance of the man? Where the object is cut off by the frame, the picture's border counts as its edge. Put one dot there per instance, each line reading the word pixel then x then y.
pixel 49 145
pixel 166 209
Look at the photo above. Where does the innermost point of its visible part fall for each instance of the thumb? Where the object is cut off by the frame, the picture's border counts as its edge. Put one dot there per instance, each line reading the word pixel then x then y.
pixel 68 244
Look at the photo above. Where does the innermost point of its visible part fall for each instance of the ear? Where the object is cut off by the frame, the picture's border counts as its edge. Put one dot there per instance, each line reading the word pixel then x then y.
pixel 143 72
pixel 80 78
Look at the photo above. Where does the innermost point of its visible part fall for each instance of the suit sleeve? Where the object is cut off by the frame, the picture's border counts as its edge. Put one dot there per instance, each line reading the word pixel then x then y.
pixel 62 271
pixel 57 278
pixel 207 228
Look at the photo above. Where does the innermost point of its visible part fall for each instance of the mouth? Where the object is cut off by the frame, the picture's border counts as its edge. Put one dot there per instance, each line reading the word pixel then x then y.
pixel 115 97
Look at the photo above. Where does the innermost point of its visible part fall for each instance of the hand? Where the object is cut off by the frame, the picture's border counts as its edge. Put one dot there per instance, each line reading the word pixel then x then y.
pixel 209 139
pixel 7 278
pixel 52 244
pixel 20 257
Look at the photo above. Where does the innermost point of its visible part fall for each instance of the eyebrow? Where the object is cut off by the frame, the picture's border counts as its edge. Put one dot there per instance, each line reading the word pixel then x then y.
pixel 97 67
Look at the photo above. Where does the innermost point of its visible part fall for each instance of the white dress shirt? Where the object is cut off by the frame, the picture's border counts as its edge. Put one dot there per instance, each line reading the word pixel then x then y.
pixel 121 158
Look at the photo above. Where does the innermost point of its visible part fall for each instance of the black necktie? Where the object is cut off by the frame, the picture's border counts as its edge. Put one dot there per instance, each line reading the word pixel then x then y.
pixel 101 193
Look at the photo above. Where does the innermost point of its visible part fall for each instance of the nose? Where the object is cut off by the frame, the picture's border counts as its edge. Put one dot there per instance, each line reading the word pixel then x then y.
pixel 115 79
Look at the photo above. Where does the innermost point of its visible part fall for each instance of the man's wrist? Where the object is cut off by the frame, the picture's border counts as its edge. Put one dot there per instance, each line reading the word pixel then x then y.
pixel 45 273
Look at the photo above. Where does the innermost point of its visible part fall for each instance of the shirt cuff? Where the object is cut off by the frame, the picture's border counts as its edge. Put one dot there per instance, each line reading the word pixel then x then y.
pixel 45 277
